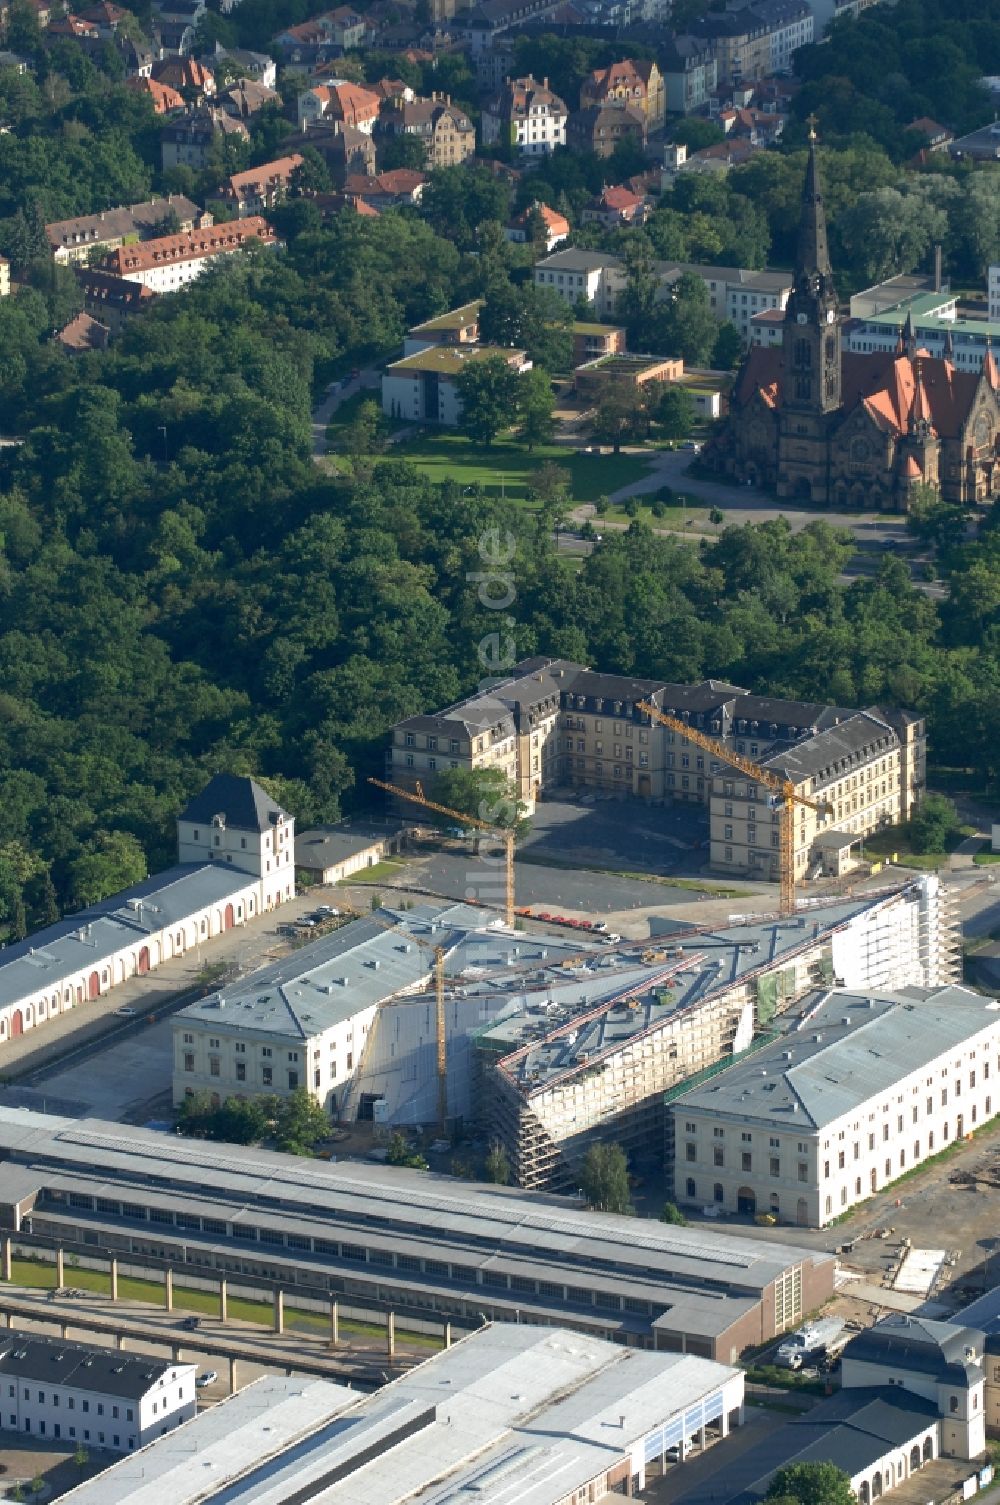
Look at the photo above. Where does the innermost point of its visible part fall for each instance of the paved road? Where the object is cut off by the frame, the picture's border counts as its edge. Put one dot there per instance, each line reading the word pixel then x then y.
pixel 336 393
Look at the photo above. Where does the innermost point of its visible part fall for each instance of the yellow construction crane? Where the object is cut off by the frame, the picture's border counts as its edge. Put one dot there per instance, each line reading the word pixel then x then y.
pixel 442 1039
pixel 418 797
pixel 776 782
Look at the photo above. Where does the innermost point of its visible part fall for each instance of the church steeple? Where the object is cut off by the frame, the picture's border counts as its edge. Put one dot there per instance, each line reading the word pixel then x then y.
pixel 812 333
pixel 812 257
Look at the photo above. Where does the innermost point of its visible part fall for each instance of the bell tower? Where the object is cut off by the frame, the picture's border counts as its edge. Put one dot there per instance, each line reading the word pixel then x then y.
pixel 812 329
pixel 810 375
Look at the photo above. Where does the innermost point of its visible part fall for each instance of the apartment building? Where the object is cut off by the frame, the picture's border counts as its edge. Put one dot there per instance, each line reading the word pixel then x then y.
pixel 170 263
pixel 258 189
pixel 443 129
pixel 111 300
pixel 70 1393
pixel 629 84
pixel 753 39
pixel 734 293
pixel 424 388
pixel 866 1086
pixel 993 292
pixel 73 241
pixel 928 322
pixel 690 74
pixel 527 115
pixel 557 723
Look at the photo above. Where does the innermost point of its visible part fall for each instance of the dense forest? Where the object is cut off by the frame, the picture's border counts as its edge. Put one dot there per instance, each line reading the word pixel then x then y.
pixel 182 590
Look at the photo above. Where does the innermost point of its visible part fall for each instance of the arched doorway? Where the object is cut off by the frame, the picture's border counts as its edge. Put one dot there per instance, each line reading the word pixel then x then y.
pixel 746 1201
pixel 876 1485
pixel 142 966
pixel 229 919
pixel 16 1024
pixel 874 1180
pixel 960 1125
pixel 914 1459
pixel 928 1449
pixel 802 1213
pixel 864 1494
pixel 93 986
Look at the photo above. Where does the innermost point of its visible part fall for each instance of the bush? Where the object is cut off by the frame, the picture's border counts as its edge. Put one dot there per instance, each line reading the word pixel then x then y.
pixel 935 823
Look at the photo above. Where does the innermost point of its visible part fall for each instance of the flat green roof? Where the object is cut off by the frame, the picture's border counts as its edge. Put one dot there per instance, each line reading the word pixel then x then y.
pixel 450 358
pixel 920 306
pixel 455 318
pixel 580 327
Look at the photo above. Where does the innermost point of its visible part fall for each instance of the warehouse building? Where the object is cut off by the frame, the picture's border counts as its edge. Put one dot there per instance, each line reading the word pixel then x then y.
pixel 98 1397
pixel 562 1073
pixel 547 1418
pixel 380 1237
pixel 234 863
pixel 864 1087
pixel 983 1315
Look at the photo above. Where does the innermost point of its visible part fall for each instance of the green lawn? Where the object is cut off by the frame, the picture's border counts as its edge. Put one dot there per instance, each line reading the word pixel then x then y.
pixel 676 519
pixel 896 844
pixel 986 855
pixel 508 467
pixel 41 1275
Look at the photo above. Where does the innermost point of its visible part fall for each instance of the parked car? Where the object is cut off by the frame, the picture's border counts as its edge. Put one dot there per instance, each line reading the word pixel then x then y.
pixel 190 1324
pixel 126 1013
pixel 328 911
pixel 208 1377
pixel 307 922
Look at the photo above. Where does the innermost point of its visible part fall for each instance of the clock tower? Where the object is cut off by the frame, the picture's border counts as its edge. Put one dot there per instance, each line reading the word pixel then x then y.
pixel 810 382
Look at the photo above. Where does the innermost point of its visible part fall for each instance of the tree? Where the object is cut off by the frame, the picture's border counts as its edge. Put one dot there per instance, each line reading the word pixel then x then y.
pixel 535 404
pixel 673 410
pixel 301 1121
pixel 812 1484
pixel 934 521
pixel 934 823
pixel 696 134
pixel 620 417
pixel 402 150
pixel 728 348
pixel 484 793
pixel 310 176
pixel 81 1457
pixel 497 1164
pixel 529 318
pixel 116 861
pixel 366 434
pixel 399 1153
pixel 672 1214
pixel 489 391
pixel 684 324
pixel 604 1179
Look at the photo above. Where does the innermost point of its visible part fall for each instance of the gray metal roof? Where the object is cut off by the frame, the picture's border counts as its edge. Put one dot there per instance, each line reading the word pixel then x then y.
pixel 242 801
pixel 698 966
pixel 539 1409
pixel 831 753
pixel 918 1344
pixel 93 936
pixel 325 846
pixel 846 1048
pixel 25 1356
pixel 409 1204
pixel 362 965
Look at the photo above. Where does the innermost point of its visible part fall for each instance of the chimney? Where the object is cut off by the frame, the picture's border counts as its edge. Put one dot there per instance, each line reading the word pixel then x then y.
pixel 937 267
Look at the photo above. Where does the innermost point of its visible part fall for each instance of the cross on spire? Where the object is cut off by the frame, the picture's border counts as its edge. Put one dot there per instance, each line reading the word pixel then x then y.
pixel 812 122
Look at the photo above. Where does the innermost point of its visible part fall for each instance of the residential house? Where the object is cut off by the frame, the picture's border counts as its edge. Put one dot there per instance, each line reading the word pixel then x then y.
pixel 190 140
pixel 690 74
pixel 753 39
pixel 614 206
pixel 526 115
pixel 490 19
pixel 193 80
pixel 81 334
pixel 388 190
pixel 423 388
pixel 391 89
pixel 758 127
pixel 246 98
pixel 237 62
pixel 339 103
pixel 235 847
pixel 939 137
pixel 106 17
pixel 136 55
pixel 4 277
pixel 600 128
pixel 591 341
pixel 170 263
pixel 109 299
pixel 74 240
pixel 258 188
pixel 163 99
pixel 345 151
pixel 522 227
pixel 446 132
pixel 72 27
pixel 345 27
pixel 94 1396
pixel 636 85
pixel 329 854
pixel 175 23
pixel 868 1086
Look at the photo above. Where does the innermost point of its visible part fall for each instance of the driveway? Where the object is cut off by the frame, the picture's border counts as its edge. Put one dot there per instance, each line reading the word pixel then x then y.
pixel 336 393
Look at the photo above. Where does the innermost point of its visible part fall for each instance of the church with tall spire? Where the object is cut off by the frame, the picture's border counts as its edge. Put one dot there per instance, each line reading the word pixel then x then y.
pixel 815 423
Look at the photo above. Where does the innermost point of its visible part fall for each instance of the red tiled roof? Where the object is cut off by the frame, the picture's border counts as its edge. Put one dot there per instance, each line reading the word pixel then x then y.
pixel 278 171
pixel 194 246
pixel 162 96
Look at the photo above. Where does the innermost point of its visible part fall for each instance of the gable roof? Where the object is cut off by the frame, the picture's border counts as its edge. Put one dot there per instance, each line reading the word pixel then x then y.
pixel 245 805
